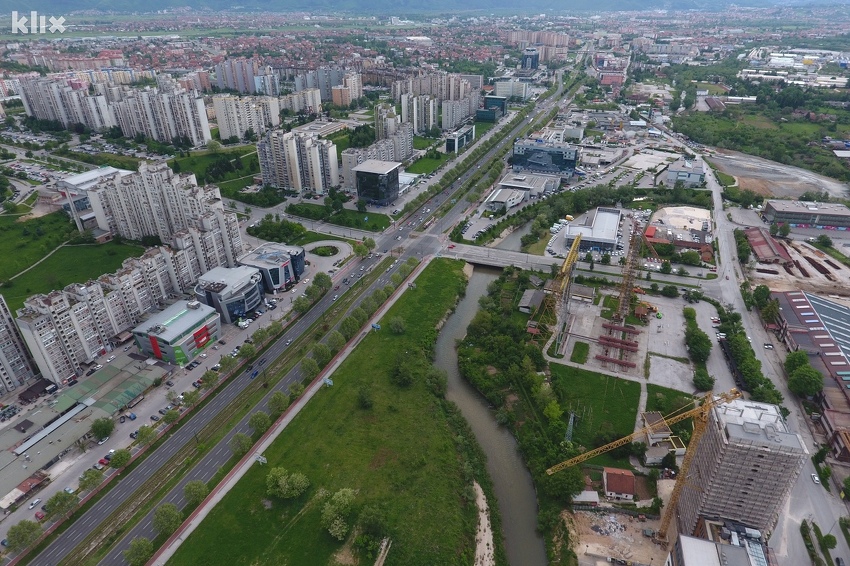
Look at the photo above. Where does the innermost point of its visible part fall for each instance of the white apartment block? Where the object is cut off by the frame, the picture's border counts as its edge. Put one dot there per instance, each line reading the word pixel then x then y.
pixel 308 101
pixel 237 74
pixel 298 161
pixel 420 111
pixel 511 88
pixel 445 86
pixel 456 111
pixel 15 366
pixel 236 115
pixel 162 113
pixel 398 147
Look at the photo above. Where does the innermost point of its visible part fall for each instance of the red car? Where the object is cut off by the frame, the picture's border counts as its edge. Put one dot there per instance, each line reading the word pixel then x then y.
pixel 451 246
pixel 336 288
pixel 39 516
pixel 103 462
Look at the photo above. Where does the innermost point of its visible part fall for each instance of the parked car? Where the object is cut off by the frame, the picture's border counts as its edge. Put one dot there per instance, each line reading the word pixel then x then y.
pixel 102 441
pixel 169 383
pixel 814 479
pixel 34 503
pixel 103 462
pixel 154 418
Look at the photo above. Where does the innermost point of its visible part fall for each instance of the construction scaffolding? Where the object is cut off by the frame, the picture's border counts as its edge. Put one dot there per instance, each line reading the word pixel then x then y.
pixel 557 299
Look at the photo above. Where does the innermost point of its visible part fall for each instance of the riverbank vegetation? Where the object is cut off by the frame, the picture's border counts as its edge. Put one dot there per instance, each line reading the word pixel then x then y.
pixel 383 452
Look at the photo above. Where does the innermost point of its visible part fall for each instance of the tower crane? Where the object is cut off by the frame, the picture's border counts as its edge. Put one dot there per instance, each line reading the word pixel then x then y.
pixel 699 412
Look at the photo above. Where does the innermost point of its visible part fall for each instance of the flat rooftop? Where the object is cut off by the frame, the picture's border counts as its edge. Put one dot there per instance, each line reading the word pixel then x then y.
pixel 700 552
pixel 528 182
pixel 176 320
pixel 323 129
pixel 606 221
pixel 83 181
pixel 376 166
pixel 228 280
pixel 758 423
pixel 812 207
pixel 270 255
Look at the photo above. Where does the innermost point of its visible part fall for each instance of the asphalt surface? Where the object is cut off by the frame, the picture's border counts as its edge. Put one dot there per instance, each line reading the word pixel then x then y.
pixel 418 246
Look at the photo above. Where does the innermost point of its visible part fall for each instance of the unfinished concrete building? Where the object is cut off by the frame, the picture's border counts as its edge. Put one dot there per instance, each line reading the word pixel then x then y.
pixel 744 467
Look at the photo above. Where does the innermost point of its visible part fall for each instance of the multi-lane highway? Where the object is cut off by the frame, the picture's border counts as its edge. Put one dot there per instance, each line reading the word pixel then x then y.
pixel 418 246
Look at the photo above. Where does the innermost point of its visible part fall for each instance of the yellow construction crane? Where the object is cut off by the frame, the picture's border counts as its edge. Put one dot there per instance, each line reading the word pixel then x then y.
pixel 699 412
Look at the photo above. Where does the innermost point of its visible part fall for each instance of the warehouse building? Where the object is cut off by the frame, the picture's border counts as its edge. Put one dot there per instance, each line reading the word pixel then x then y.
pixel 799 214
pixel 600 235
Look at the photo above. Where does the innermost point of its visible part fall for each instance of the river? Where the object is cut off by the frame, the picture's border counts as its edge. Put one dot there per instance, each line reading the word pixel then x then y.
pixel 511 479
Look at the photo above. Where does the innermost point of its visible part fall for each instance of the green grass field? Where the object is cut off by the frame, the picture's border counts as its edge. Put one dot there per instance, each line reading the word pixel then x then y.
pixel 24 243
pixel 372 221
pixel 198 162
pixel 603 404
pixel 427 165
pixel 580 352
pixel 482 128
pixel 399 456
pixel 71 264
pixel 422 143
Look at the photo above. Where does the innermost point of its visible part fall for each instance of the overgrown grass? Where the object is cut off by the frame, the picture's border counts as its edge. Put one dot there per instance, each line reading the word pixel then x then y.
pixel 427 165
pixel 70 264
pixel 580 352
pixel 24 243
pixel 398 455
pixel 372 221
pixel 603 405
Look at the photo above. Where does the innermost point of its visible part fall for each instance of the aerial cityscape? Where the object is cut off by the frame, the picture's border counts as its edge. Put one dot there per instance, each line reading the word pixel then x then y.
pixel 425 285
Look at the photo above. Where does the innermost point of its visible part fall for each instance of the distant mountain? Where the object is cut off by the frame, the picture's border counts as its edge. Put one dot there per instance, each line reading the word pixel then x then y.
pixel 384 7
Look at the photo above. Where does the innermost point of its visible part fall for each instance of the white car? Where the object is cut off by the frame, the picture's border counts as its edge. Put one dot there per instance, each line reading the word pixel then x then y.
pixel 814 479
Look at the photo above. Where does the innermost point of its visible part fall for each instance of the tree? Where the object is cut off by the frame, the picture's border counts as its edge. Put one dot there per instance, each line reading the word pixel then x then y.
pixel 247 351
pixel 336 341
pixel 191 398
pixel 761 296
pixel 61 504
pixel 322 354
pixel 122 456
pixel 369 243
pixel 240 444
pixel 90 479
pixel 703 381
pixel 824 241
pixel 167 519
pixel 666 268
pixel 139 552
pixel 260 422
pixel 670 291
pixel 22 535
pixel 147 435
pixel 361 205
pixel 301 305
pixel 309 368
pixel 774 229
pixel 805 381
pixel 795 360
pixel 829 541
pixel 280 483
pixel 323 281
pixel 553 411
pixel 195 492
pixel 349 327
pixel 784 229
pixel 588 257
pixel 227 363
pixel 699 344
pixel 101 428
pixel 360 250
pixel 213 146
pixel 397 325
pixel 606 259
pixel 336 511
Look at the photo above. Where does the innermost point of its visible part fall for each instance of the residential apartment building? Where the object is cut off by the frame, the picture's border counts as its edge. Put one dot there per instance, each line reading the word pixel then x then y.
pixel 421 111
pixel 298 161
pixel 67 329
pixel 511 88
pixel 398 147
pixel 237 115
pixel 308 101
pixel 386 121
pixel 459 99
pixel 455 112
pixel 15 365
pixel 237 74
pixel 350 90
pixel 162 113
pixel 745 465
pixel 326 78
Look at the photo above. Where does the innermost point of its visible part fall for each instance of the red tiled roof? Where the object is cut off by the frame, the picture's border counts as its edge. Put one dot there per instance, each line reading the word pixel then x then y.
pixel 619 481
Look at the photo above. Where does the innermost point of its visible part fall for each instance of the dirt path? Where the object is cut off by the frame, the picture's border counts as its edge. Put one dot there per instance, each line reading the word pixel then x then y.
pixel 484 555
